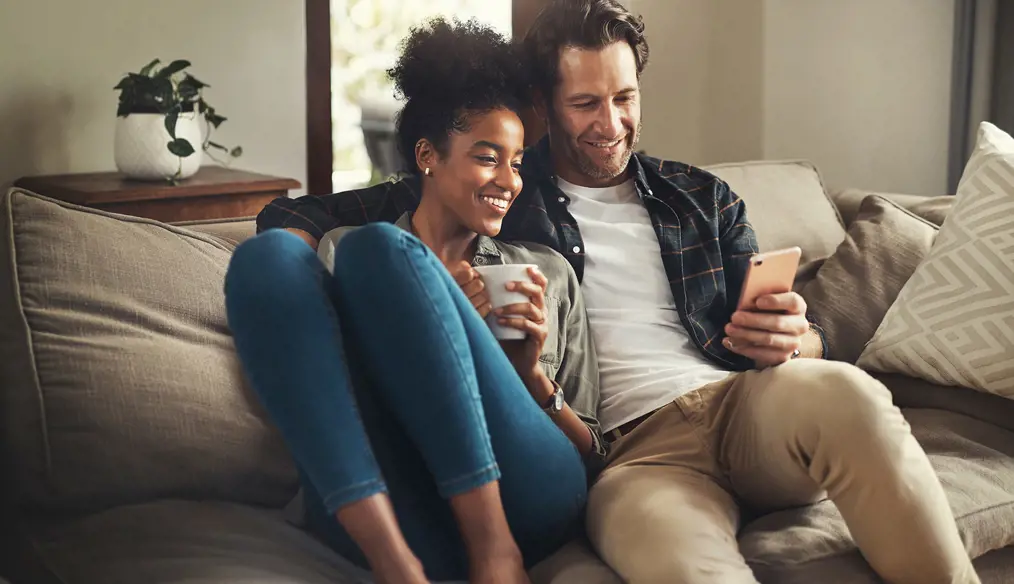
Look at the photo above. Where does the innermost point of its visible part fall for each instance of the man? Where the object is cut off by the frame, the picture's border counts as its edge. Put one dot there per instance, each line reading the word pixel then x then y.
pixel 707 409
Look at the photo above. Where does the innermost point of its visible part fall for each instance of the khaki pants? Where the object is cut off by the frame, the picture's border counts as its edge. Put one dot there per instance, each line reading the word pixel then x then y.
pixel 667 507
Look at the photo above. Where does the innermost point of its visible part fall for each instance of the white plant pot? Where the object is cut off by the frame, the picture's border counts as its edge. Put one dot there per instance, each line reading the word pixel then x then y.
pixel 140 146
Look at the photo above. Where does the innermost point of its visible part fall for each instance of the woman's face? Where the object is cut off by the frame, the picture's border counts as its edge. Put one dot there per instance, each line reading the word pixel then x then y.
pixel 479 177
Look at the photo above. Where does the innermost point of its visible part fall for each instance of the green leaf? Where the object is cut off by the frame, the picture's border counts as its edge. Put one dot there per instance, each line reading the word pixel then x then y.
pixel 202 105
pixel 180 147
pixel 213 118
pixel 188 89
pixel 170 122
pixel 124 83
pixel 236 152
pixel 172 68
pixel 191 80
pixel 146 70
pixel 123 110
pixel 218 146
pixel 162 94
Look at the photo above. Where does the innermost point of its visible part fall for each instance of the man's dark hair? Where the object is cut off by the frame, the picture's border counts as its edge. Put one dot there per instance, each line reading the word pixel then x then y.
pixel 585 24
pixel 448 72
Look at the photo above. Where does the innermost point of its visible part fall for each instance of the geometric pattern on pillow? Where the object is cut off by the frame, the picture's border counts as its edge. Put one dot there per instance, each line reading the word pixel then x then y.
pixel 953 322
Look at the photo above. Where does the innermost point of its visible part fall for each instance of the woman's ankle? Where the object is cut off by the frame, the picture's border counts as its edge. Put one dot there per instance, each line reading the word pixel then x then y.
pixel 483 525
pixel 372 524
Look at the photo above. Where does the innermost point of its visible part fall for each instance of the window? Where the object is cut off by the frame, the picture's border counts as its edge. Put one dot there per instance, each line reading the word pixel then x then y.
pixel 365 39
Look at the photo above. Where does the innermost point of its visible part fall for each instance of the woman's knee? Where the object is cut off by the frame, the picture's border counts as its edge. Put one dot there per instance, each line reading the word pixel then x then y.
pixel 372 246
pixel 268 266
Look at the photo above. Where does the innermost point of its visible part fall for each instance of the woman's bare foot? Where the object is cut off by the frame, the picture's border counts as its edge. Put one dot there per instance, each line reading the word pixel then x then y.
pixel 501 568
pixel 373 526
pixel 403 570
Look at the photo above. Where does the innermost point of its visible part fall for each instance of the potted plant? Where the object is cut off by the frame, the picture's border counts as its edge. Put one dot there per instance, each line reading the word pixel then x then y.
pixel 158 131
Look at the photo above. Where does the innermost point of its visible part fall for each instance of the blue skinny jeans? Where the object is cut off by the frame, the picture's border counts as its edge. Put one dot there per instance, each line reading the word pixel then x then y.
pixel 384 378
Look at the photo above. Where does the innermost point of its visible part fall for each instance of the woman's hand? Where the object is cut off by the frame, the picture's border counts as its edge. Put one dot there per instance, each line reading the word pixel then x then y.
pixel 473 287
pixel 529 317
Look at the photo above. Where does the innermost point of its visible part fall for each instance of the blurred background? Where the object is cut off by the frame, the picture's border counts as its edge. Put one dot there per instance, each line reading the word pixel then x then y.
pixel 879 94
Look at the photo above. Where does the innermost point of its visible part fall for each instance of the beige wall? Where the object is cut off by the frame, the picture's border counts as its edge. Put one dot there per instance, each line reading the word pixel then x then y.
pixel 674 88
pixel 861 88
pixel 59 60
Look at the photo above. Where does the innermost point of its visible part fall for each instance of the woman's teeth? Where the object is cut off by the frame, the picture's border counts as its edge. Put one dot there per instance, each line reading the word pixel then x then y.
pixel 498 203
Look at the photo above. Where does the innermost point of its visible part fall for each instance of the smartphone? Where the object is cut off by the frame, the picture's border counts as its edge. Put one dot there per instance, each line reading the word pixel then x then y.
pixel 770 272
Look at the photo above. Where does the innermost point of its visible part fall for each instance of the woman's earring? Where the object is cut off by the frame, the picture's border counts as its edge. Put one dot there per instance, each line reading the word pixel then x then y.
pixel 428 172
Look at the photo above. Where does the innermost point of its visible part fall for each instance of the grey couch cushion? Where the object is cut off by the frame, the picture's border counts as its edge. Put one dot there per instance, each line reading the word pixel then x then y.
pixel 787 205
pixel 975 463
pixel 176 542
pixel 856 286
pixel 120 380
pixel 172 542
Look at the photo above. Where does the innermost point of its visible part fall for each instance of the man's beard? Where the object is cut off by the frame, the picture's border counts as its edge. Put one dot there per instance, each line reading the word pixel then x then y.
pixel 611 169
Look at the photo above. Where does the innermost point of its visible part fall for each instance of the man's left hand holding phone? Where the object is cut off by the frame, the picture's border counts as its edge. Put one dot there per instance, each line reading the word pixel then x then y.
pixel 770 325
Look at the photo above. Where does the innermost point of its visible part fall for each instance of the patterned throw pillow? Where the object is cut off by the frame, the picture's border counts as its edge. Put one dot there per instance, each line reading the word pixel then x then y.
pixel 953 322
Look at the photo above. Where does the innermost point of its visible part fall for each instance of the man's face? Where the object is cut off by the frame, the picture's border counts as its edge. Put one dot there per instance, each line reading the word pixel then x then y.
pixel 595 116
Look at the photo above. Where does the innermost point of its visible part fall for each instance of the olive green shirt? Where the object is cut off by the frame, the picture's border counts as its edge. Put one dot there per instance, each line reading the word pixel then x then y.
pixel 569 355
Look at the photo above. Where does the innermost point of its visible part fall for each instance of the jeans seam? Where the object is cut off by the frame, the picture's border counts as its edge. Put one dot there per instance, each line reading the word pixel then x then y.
pixel 455 483
pixel 447 336
pixel 351 492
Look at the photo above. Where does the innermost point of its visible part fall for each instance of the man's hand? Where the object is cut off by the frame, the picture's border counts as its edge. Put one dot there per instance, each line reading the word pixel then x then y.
pixel 770 332
pixel 473 287
pixel 529 317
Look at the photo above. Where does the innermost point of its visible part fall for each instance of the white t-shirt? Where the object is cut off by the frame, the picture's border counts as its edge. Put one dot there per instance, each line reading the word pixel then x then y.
pixel 646 357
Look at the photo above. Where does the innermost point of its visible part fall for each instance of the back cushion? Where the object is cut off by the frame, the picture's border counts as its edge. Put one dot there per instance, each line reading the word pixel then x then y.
pixel 119 381
pixel 787 205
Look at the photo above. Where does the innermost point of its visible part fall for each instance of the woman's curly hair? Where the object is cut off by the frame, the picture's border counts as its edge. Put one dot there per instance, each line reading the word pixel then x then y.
pixel 449 71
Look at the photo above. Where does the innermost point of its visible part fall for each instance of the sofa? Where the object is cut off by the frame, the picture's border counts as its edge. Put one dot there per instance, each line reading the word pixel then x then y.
pixel 134 452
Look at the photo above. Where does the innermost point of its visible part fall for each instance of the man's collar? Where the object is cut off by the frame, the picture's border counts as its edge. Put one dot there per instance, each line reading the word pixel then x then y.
pixel 485 247
pixel 541 161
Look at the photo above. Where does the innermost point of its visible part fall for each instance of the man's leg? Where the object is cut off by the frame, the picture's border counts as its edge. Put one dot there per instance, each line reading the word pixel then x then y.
pixel 809 426
pixel 662 512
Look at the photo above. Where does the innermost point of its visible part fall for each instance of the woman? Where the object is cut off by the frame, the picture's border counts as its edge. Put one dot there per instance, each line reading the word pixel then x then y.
pixel 426 448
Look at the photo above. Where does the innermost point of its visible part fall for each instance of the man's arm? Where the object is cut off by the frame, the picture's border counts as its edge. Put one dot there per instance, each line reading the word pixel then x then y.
pixel 779 325
pixel 311 216
pixel 738 244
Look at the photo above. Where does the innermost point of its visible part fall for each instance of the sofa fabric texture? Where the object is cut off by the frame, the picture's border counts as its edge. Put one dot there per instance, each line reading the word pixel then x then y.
pixel 120 381
pixel 856 286
pixel 123 410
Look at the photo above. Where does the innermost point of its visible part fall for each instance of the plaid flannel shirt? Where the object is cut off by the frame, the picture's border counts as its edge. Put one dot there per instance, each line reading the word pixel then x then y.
pixel 703 232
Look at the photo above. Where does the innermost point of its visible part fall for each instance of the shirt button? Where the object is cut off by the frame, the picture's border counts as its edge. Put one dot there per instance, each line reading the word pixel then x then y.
pixel 480 260
pixel 562 199
pixel 650 193
pixel 577 249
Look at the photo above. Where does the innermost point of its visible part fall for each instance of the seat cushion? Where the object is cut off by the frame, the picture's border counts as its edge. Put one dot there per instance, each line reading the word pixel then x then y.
pixel 176 542
pixel 120 381
pixel 975 463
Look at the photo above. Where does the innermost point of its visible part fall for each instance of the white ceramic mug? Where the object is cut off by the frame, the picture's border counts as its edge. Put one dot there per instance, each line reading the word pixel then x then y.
pixel 495 279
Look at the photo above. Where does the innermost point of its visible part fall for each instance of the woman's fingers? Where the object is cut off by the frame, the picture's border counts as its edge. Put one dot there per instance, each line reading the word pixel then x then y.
pixel 533 291
pixel 523 309
pixel 533 329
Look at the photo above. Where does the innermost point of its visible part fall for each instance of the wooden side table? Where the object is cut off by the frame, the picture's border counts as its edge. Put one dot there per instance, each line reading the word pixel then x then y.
pixel 213 193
